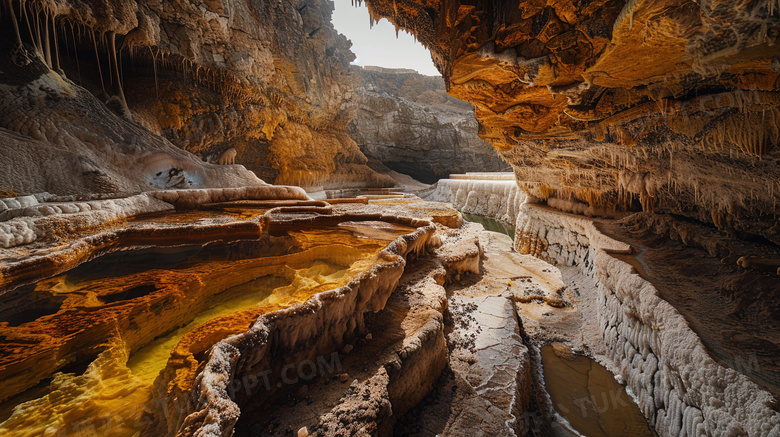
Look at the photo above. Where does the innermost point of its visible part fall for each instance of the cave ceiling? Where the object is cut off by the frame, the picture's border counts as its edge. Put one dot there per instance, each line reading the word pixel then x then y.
pixel 665 106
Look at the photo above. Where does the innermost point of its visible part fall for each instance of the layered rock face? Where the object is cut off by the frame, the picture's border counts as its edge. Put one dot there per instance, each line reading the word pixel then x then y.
pixel 666 106
pixel 262 85
pixel 408 122
pixel 679 386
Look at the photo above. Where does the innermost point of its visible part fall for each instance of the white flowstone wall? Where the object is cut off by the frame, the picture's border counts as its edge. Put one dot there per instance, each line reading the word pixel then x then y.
pixel 33 220
pixel 679 387
pixel 498 199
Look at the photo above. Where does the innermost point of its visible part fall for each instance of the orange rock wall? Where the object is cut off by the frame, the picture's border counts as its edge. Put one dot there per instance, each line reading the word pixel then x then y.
pixel 665 106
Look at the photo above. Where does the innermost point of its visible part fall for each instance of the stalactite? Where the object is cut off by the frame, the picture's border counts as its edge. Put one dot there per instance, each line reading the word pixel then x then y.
pixel 39 44
pixel 27 20
pixel 131 51
pixel 56 43
pixel 46 44
pixel 104 43
pixel 75 51
pixel 154 66
pixel 13 20
pixel 97 57
pixel 183 69
pixel 113 60
pixel 121 74
pixel 65 39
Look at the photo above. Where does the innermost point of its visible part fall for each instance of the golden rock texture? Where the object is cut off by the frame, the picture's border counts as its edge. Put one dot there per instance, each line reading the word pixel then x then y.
pixel 666 106
pixel 293 100
pixel 117 345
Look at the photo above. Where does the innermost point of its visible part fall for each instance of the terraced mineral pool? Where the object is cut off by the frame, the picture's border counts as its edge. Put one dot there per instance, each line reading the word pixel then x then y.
pixel 182 217
pixel 80 352
pixel 491 224
pixel 586 394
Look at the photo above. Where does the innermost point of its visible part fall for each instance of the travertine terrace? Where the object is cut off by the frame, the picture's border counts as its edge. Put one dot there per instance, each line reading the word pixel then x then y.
pixel 213 225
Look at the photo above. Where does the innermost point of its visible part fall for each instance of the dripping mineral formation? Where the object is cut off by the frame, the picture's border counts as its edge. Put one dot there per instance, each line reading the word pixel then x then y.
pixel 664 106
pixel 128 96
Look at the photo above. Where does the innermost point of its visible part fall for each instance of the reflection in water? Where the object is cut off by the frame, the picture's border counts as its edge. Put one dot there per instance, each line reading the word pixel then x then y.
pixel 491 224
pixel 588 397
pixel 134 315
pixel 147 362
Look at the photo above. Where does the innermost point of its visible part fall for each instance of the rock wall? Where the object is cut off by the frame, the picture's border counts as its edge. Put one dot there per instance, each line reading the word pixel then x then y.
pixel 57 137
pixel 666 106
pixel 678 385
pixel 408 122
pixel 95 88
pixel 288 125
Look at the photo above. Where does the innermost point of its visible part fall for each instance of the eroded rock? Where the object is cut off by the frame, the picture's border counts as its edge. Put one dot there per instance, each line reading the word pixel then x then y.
pixel 409 123
pixel 668 107
pixel 118 97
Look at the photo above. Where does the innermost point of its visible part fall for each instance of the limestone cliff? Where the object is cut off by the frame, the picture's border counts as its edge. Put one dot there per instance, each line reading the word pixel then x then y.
pixel 204 76
pixel 407 121
pixel 666 106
